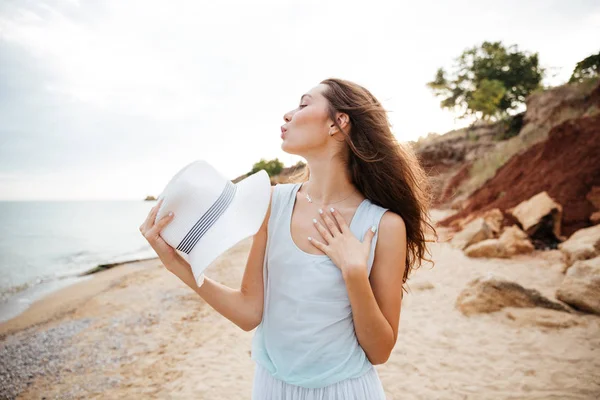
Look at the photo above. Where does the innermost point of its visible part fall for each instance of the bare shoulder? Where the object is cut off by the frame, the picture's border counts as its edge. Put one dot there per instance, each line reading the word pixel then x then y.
pixel 392 227
pixel 390 251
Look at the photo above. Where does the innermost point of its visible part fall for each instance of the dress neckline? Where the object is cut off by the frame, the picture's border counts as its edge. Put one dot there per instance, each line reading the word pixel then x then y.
pixel 289 222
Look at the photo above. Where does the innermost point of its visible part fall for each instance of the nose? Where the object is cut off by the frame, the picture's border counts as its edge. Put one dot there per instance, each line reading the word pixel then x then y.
pixel 287 117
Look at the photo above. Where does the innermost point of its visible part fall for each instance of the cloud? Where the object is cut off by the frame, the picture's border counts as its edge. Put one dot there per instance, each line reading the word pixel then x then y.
pixel 144 87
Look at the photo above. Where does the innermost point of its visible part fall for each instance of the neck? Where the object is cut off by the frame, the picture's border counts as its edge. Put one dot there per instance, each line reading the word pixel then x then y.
pixel 329 181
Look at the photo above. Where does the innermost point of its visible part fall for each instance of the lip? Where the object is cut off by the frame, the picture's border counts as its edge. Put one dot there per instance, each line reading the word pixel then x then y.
pixel 283 131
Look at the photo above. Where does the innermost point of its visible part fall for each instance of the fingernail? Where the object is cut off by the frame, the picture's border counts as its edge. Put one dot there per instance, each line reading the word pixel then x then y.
pixel 171 214
pixel 309 238
pixel 314 220
pixel 373 228
pixel 320 211
pixel 331 209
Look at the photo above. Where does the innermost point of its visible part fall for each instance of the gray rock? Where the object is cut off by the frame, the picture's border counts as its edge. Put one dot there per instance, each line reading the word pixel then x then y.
pixel 489 294
pixel 581 286
pixel 582 245
pixel 475 231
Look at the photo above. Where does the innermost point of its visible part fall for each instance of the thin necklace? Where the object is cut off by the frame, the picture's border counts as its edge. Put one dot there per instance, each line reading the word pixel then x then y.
pixel 310 200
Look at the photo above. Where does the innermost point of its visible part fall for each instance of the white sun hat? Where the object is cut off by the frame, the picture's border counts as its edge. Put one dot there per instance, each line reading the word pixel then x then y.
pixel 211 213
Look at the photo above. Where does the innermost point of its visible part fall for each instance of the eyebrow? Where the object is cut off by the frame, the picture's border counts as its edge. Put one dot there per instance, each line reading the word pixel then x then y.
pixel 307 95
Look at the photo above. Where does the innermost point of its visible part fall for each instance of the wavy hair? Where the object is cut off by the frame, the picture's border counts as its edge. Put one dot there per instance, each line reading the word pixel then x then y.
pixel 386 171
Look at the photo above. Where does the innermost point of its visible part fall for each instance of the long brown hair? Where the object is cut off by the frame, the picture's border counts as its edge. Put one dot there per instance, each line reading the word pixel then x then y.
pixel 386 171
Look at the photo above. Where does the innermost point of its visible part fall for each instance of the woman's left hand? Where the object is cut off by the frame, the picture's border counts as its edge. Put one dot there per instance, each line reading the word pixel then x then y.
pixel 344 249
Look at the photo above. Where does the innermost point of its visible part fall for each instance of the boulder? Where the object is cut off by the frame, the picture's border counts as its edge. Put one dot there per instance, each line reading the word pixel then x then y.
pixel 475 231
pixel 489 294
pixel 512 241
pixel 489 248
pixel 581 286
pixel 539 216
pixel 515 241
pixel 494 218
pixel 582 245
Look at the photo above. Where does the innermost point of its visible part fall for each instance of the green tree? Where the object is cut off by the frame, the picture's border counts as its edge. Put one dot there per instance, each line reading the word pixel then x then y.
pixel 273 167
pixel 487 97
pixel 489 79
pixel 586 68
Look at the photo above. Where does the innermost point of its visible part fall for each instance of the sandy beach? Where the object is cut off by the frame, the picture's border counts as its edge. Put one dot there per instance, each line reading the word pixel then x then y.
pixel 480 120
pixel 136 331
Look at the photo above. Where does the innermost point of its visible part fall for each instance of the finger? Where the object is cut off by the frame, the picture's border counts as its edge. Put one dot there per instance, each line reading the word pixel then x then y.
pixel 369 236
pixel 323 231
pixel 331 225
pixel 149 222
pixel 340 220
pixel 319 245
pixel 155 210
pixel 163 222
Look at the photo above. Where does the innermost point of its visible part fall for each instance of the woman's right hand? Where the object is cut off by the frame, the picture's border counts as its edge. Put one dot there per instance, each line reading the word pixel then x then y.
pixel 151 232
pixel 172 260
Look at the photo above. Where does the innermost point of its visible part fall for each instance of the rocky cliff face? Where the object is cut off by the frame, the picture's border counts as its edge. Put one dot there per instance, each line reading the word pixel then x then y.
pixel 461 161
pixel 561 155
pixel 566 166
pixel 552 107
pixel 448 158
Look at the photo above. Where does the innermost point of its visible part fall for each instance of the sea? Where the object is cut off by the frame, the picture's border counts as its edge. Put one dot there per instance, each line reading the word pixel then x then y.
pixel 47 245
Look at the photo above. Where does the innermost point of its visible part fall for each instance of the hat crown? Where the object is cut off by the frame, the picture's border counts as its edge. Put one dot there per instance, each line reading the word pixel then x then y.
pixel 190 198
pixel 207 190
pixel 211 212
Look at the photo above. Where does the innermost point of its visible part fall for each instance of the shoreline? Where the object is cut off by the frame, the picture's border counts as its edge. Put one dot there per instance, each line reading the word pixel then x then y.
pixel 104 267
pixel 34 296
pixel 56 298
pixel 21 300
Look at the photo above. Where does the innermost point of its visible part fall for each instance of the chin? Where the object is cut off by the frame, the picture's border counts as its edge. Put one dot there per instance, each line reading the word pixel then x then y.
pixel 290 149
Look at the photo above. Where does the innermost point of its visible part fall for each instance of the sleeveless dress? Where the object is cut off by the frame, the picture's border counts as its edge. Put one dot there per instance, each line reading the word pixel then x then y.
pixel 306 347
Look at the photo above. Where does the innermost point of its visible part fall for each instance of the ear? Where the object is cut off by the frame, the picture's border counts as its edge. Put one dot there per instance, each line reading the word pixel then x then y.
pixel 343 120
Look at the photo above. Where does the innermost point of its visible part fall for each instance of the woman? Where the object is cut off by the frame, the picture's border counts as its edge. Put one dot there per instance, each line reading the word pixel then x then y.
pixel 324 298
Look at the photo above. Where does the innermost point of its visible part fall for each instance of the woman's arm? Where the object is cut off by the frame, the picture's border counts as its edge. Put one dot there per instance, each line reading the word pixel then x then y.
pixel 242 306
pixel 376 304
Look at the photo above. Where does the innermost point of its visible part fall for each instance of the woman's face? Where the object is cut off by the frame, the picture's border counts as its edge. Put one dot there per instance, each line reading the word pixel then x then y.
pixel 307 127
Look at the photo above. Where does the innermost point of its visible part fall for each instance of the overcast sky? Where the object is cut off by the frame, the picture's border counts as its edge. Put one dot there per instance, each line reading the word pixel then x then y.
pixel 109 99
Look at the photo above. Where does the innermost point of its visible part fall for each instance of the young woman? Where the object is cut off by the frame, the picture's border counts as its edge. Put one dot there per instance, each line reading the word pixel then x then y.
pixel 325 275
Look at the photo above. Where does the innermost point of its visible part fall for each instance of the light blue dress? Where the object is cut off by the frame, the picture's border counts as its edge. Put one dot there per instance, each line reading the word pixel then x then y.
pixel 305 346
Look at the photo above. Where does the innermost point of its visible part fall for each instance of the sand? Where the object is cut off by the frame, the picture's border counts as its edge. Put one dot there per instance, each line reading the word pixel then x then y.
pixel 142 333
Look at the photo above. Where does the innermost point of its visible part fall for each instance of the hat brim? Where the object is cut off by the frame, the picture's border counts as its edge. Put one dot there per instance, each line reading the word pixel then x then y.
pixel 242 218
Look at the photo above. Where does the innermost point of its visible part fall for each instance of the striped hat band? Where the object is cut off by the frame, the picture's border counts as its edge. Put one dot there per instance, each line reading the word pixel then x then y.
pixel 208 219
